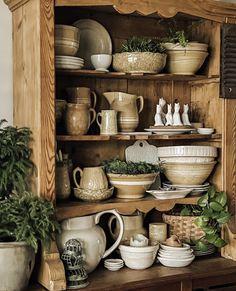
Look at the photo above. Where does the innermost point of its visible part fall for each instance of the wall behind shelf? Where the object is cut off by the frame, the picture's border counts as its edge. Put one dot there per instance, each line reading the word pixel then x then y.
pixel 6 100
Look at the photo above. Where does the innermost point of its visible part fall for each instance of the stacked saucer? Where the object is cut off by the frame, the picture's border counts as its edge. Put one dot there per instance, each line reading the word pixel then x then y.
pixel 175 256
pixel 195 189
pixel 69 62
pixel 113 264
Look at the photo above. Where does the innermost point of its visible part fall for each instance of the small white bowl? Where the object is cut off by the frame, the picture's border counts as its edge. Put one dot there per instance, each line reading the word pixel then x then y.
pixel 184 248
pixel 205 130
pixel 138 258
pixel 177 263
pixel 101 62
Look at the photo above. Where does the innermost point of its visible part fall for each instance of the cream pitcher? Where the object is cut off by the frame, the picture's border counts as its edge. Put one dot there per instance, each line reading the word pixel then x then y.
pixel 126 106
pixel 91 236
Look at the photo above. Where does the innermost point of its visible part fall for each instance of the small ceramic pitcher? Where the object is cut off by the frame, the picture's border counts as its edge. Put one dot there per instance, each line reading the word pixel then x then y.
pixel 78 118
pixel 108 124
pixel 82 95
pixel 92 178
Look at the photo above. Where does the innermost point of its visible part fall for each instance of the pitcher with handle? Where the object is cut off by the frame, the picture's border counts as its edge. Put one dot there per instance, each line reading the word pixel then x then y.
pixel 91 235
pixel 126 106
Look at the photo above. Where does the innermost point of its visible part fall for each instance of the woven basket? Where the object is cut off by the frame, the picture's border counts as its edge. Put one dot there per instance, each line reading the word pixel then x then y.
pixel 183 226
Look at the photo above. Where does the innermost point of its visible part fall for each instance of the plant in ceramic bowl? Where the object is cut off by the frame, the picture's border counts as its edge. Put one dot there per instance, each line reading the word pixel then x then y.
pixel 131 179
pixel 140 55
pixel 184 57
pixel 202 222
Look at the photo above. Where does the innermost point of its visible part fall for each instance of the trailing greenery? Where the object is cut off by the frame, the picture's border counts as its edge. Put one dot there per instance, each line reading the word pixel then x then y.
pixel 211 213
pixel 15 159
pixel 179 36
pixel 27 217
pixel 142 44
pixel 117 166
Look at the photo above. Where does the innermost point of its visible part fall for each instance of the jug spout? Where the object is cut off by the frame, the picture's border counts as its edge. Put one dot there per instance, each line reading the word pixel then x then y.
pixel 110 96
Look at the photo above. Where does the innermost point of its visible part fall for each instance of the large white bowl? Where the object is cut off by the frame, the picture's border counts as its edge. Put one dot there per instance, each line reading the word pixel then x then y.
pixel 177 263
pixel 188 173
pixel 187 159
pixel 138 258
pixel 187 151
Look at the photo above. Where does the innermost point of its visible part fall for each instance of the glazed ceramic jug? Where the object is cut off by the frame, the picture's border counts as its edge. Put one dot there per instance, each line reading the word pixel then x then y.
pixel 78 118
pixel 92 178
pixel 126 106
pixel 91 235
pixel 133 224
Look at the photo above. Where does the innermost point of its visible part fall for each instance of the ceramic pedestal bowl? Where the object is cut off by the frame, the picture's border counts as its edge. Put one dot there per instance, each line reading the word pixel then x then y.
pixel 188 173
pixel 131 186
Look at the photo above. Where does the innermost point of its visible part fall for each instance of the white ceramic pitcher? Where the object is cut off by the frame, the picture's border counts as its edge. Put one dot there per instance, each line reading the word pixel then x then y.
pixel 91 236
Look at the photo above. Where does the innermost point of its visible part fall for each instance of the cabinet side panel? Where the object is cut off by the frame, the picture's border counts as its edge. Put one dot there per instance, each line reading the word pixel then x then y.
pixel 33 98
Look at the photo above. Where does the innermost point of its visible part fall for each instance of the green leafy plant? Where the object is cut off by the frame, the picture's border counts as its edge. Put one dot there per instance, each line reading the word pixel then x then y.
pixel 117 166
pixel 15 159
pixel 29 218
pixel 212 213
pixel 142 44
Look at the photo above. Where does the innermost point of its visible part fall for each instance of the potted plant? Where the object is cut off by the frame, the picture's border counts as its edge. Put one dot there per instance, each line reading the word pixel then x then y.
pixel 201 224
pixel 25 221
pixel 184 57
pixel 15 159
pixel 140 55
pixel 131 179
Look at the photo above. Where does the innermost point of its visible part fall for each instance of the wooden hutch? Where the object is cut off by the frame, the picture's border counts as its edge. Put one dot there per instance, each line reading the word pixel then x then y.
pixel 37 84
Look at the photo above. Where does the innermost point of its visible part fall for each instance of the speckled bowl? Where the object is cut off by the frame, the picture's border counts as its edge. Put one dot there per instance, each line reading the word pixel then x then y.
pixel 139 62
pixel 93 195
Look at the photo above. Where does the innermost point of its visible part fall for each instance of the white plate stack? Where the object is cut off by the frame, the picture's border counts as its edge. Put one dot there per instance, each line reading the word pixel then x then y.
pixel 69 62
pixel 113 264
pixel 175 256
pixel 195 189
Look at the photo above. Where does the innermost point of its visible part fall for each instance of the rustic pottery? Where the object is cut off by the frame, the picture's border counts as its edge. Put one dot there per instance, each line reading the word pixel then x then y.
pixel 108 124
pixel 63 188
pixel 93 195
pixel 17 263
pixel 78 119
pixel 131 186
pixel 82 95
pixel 133 224
pixel 91 178
pixel 139 62
pixel 126 106
pixel 91 236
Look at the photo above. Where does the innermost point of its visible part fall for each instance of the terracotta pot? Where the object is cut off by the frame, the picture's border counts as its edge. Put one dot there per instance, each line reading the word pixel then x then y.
pixel 77 118
pixel 131 186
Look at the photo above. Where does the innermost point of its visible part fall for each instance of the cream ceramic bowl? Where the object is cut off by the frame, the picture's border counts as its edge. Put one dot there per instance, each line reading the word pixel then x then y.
pixel 174 262
pixel 187 151
pixel 66 47
pixel 138 258
pixel 101 62
pixel 188 173
pixel 205 130
pixel 68 32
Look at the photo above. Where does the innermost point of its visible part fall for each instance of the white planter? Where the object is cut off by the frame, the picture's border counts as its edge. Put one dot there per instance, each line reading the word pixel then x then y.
pixel 16 265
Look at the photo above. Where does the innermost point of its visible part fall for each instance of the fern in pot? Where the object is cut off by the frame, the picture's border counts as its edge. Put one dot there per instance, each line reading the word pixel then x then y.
pixel 140 55
pixel 131 179
pixel 25 219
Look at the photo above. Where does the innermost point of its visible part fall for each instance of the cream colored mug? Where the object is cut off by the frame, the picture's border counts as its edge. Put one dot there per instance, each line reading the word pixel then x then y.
pixel 82 95
pixel 108 124
pixel 92 178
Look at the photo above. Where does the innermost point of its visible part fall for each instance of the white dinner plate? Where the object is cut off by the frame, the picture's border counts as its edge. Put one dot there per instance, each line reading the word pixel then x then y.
pixel 202 187
pixel 173 194
pixel 172 131
pixel 94 39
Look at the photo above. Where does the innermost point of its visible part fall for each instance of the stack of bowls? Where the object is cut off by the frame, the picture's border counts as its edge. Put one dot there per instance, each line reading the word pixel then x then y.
pixel 187 165
pixel 175 256
pixel 113 264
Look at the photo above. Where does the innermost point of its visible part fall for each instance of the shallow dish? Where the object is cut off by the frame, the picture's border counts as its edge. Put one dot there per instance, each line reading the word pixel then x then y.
pixel 167 131
pixel 175 263
pixel 169 194
pixel 205 130
pixel 93 195
pixel 180 249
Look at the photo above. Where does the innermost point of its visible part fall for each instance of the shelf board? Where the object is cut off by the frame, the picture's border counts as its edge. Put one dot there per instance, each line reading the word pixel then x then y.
pixel 214 137
pixel 124 206
pixel 119 75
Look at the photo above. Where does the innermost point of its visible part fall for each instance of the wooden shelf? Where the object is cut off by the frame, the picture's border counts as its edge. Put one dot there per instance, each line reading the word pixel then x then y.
pixel 123 206
pixel 119 75
pixel 138 137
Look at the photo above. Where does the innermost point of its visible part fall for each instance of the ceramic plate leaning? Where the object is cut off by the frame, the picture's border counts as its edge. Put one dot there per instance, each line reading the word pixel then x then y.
pixel 172 194
pixel 94 39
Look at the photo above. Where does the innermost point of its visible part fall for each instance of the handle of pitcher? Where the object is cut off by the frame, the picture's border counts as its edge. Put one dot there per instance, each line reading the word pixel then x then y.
pixel 120 220
pixel 78 169
pixel 140 98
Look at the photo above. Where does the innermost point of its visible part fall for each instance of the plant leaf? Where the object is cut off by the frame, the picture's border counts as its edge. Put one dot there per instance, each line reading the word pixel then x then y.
pixel 202 246
pixel 221 198
pixel 219 243
pixel 203 201
pixel 216 206
pixel 223 217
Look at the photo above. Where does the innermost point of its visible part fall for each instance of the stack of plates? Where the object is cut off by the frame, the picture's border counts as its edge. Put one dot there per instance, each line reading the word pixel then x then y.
pixel 196 189
pixel 169 194
pixel 68 62
pixel 210 250
pixel 175 256
pixel 113 264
